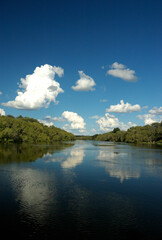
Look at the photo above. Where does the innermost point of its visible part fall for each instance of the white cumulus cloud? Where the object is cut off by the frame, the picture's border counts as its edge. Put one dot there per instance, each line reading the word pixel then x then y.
pixel 76 121
pixel 156 110
pixel 121 71
pixel 124 108
pixel 85 83
pixel 38 89
pixel 2 112
pixel 149 118
pixel 154 115
pixel 109 122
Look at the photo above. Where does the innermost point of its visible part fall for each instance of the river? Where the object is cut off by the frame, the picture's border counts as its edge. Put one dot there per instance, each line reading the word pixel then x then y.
pixel 81 190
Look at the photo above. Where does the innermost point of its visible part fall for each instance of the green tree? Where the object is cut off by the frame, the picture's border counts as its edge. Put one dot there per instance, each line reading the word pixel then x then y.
pixel 116 130
pixel 30 130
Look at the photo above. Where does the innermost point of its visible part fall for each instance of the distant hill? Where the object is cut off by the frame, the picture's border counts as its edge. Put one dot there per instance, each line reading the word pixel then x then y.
pixel 30 130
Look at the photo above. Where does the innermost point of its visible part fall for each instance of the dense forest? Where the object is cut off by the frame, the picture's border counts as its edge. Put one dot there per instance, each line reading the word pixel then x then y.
pixel 29 130
pixel 146 134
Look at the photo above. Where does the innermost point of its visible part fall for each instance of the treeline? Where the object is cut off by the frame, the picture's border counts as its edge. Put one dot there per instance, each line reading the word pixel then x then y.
pixel 29 130
pixel 146 134
pixel 83 137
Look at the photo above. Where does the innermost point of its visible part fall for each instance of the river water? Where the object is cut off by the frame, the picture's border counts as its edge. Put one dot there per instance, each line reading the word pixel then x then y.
pixel 81 190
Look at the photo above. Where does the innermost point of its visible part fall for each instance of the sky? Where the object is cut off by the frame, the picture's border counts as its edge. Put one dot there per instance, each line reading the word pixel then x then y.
pixel 84 66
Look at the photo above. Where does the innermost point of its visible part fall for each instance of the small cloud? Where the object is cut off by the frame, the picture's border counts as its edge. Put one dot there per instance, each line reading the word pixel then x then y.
pixel 156 111
pixel 121 71
pixel 49 121
pixel 85 83
pixel 123 108
pixel 82 130
pixel 145 107
pixel 103 100
pixel 48 117
pixel 38 89
pixel 45 122
pixel 76 121
pixel 93 130
pixel 95 117
pixel 53 119
pixel 2 112
pixel 0 93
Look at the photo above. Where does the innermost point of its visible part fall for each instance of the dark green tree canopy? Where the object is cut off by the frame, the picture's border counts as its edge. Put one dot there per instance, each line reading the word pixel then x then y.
pixel 29 130
pixel 146 134
pixel 116 130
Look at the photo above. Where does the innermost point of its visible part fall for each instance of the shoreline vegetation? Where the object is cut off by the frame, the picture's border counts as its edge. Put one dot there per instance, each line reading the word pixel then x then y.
pixel 30 130
pixel 148 134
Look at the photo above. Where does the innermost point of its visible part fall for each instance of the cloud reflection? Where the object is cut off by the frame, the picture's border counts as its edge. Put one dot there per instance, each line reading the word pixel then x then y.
pixel 118 164
pixel 34 194
pixel 68 159
pixel 76 158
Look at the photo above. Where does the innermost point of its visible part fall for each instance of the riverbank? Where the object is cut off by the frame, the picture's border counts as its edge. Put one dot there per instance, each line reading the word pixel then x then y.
pixel 149 134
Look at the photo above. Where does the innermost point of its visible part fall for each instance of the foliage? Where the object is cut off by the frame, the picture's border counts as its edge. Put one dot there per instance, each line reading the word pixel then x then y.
pixel 118 136
pixel 116 130
pixel 83 137
pixel 29 130
pixel 146 134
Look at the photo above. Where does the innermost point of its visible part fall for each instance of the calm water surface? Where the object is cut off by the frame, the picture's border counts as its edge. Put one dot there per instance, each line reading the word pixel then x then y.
pixel 81 190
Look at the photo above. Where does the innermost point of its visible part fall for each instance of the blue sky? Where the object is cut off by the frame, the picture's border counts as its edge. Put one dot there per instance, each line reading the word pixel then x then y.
pixel 87 66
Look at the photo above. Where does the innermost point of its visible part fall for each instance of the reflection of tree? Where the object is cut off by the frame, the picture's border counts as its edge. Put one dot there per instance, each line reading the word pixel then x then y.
pixel 118 164
pixel 11 153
